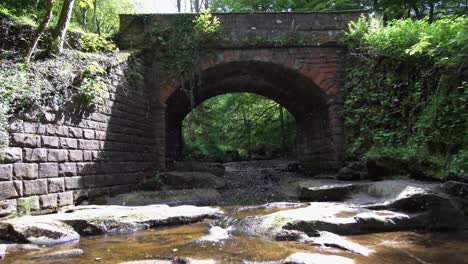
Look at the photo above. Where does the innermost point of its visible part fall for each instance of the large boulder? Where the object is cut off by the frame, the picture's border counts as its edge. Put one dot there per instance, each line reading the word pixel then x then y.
pixel 192 180
pixel 332 217
pixel 65 226
pixel 169 197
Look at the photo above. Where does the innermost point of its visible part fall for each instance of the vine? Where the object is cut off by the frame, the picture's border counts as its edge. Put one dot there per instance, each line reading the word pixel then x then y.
pixel 181 47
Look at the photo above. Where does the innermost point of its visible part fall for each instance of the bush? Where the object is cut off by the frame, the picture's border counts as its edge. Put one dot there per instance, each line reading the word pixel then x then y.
pixel 405 95
pixel 97 43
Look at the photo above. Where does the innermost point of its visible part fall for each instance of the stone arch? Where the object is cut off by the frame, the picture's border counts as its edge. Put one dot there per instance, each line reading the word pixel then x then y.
pixel 304 99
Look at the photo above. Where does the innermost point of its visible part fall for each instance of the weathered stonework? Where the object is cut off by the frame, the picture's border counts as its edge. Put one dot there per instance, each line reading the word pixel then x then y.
pixel 64 158
pixel 294 59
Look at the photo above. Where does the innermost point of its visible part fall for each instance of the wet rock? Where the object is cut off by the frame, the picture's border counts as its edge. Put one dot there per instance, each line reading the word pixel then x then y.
pixel 173 261
pixel 260 262
pixel 148 262
pixel 307 258
pixel 457 189
pixel 428 204
pixel 271 206
pixel 21 247
pixel 216 234
pixel 196 166
pixel 169 197
pixel 292 235
pixel 459 192
pixel 7 207
pixel 328 239
pixel 2 251
pixel 328 190
pixel 191 180
pixel 91 220
pixel 332 217
pixel 63 254
pixel 199 261
pixel 39 230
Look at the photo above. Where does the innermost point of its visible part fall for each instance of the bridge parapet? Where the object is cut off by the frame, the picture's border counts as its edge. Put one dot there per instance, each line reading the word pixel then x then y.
pixel 249 29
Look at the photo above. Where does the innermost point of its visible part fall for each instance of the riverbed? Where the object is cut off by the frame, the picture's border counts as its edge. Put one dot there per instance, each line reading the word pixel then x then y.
pixel 249 187
pixel 185 241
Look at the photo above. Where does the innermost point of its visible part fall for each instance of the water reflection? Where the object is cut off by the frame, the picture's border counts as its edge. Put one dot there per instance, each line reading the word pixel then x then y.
pixel 184 241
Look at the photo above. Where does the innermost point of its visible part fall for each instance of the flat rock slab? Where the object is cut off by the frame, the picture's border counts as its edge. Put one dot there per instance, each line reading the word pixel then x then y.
pixel 91 220
pixel 169 197
pixel 192 180
pixel 332 217
pixel 307 258
pixel 361 192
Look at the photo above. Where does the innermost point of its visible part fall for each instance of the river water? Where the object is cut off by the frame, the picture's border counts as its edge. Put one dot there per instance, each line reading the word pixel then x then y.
pixel 191 241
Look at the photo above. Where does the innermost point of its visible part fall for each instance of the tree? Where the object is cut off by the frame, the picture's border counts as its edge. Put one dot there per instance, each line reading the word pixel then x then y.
pixel 60 31
pixel 178 6
pixel 40 31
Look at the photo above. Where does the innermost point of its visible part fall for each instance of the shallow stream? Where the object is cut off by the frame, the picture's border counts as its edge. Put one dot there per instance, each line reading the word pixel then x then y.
pixel 246 187
pixel 184 241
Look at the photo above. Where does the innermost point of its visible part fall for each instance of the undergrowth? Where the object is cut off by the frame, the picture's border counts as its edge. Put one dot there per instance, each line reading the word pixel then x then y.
pixel 406 95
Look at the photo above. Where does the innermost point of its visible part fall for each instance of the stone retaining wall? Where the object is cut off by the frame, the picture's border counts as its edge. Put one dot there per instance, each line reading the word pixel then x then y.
pixel 64 158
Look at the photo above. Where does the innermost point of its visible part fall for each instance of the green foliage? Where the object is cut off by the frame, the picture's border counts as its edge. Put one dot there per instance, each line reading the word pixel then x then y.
pixel 445 40
pixel 97 43
pixel 25 206
pixel 207 23
pixel 16 93
pixel 406 100
pixel 93 90
pixel 238 124
pixel 283 5
pixel 50 84
pixel 181 44
pixel 95 16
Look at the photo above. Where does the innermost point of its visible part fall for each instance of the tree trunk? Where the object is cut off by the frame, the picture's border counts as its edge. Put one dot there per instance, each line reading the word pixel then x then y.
pixel 283 130
pixel 60 31
pixel 191 125
pixel 178 6
pixel 85 19
pixel 248 132
pixel 207 4
pixel 40 30
pixel 431 12
pixel 196 4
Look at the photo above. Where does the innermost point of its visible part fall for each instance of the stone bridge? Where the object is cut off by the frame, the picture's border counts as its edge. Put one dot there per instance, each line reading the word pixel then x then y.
pixel 55 158
pixel 294 59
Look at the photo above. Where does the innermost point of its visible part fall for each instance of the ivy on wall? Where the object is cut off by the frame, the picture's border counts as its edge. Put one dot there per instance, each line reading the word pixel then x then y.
pixel 406 96
pixel 180 45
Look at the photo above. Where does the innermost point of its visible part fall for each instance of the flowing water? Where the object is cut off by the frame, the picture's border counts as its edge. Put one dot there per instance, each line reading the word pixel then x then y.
pixel 212 239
